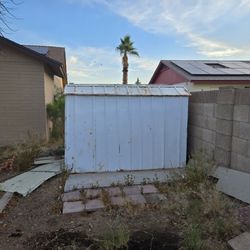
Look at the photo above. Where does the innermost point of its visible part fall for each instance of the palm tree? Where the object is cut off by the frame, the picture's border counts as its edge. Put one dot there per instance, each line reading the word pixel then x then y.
pixel 126 48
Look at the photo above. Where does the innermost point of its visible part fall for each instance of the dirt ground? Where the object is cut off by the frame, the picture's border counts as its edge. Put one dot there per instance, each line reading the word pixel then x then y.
pixel 35 221
pixel 194 210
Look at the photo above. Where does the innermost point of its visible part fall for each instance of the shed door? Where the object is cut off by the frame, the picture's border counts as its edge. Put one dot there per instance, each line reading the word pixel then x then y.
pixel 126 133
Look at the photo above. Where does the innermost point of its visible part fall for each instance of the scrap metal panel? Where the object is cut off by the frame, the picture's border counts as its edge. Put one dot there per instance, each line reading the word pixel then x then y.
pixel 146 130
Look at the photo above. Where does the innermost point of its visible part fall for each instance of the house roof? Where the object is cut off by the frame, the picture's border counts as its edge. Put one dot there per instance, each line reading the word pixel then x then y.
pixel 207 69
pixel 55 53
pixel 56 66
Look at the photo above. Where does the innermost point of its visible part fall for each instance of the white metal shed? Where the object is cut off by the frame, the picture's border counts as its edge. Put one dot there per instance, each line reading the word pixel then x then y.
pixel 125 127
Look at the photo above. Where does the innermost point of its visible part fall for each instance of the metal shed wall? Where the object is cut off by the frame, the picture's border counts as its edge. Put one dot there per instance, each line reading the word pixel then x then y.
pixel 110 132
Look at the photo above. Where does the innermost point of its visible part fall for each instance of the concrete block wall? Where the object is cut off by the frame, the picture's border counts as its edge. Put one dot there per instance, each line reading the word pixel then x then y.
pixel 224 121
pixel 240 157
pixel 202 123
pixel 219 127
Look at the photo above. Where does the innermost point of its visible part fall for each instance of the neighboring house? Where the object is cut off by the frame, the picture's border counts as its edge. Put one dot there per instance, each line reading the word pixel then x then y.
pixel 30 76
pixel 199 75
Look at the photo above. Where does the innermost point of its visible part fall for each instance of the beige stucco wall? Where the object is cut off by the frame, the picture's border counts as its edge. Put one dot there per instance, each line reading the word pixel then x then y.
pixel 50 88
pixel 53 85
pixel 22 104
pixel 58 82
pixel 207 87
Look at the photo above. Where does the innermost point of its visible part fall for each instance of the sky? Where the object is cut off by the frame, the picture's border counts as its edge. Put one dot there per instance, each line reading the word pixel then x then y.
pixel 90 30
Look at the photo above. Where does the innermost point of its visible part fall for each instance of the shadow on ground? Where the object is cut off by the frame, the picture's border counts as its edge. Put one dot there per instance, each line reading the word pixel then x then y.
pixel 64 239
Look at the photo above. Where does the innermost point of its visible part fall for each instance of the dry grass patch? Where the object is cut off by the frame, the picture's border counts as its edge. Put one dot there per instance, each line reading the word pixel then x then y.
pixel 21 156
pixel 58 204
pixel 116 236
pixel 205 218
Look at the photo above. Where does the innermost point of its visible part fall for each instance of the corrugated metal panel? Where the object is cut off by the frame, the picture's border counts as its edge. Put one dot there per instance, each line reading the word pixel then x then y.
pixel 245 71
pixel 112 133
pixel 125 90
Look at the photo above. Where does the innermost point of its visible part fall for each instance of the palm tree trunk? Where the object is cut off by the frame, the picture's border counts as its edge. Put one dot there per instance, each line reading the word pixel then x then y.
pixel 125 69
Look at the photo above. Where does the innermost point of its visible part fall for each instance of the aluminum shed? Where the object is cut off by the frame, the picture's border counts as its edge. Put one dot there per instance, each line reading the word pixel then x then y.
pixel 125 127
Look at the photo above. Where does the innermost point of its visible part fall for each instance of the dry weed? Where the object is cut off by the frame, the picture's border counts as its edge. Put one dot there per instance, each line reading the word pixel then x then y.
pixel 200 212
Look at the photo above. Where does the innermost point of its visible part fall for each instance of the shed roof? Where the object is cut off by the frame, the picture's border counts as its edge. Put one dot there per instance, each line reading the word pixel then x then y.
pixel 125 90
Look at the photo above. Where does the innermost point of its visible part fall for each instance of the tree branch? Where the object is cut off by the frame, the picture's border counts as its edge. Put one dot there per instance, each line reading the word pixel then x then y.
pixel 6 14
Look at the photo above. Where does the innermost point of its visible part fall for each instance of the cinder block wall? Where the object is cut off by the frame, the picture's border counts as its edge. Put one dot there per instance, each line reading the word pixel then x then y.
pixel 219 127
pixel 202 123
pixel 240 157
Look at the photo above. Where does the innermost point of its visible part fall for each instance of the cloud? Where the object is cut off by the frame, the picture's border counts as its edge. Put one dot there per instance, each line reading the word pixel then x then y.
pixel 73 59
pixel 195 20
pixel 213 49
pixel 103 65
pixel 206 26
pixel 86 64
pixel 245 3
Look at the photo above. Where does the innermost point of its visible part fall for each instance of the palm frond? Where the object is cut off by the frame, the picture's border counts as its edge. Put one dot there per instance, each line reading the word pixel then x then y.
pixel 126 46
pixel 134 52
